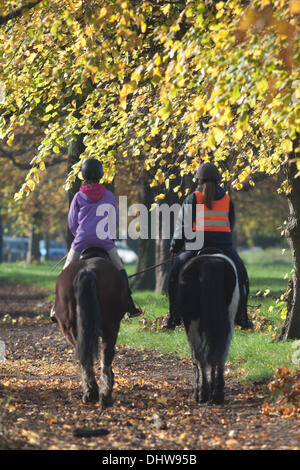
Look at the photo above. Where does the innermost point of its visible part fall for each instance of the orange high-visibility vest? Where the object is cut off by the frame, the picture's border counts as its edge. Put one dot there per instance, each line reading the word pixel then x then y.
pixel 215 219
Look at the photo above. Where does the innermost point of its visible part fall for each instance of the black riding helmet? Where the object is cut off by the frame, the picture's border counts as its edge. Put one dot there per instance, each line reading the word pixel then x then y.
pixel 208 172
pixel 92 170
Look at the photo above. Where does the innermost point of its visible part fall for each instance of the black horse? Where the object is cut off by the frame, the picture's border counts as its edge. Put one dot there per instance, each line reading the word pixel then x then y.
pixel 91 300
pixel 208 300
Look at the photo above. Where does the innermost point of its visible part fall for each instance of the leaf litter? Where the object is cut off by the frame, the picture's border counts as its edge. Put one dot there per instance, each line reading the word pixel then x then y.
pixel 153 409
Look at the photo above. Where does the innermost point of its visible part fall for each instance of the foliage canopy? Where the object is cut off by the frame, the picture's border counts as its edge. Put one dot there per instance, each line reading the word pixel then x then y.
pixel 168 82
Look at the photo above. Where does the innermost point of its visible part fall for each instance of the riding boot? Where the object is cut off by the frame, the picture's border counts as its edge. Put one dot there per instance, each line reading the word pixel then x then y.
pixel 242 318
pixel 173 319
pixel 52 315
pixel 131 307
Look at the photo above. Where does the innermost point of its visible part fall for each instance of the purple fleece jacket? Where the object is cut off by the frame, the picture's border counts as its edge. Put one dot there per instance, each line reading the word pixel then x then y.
pixel 87 217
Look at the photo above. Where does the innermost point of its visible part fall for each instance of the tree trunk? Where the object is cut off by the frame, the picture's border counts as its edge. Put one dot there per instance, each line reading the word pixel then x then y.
pixel 33 252
pixel 162 253
pixel 1 238
pixel 163 245
pixel 75 149
pixel 146 247
pixel 291 328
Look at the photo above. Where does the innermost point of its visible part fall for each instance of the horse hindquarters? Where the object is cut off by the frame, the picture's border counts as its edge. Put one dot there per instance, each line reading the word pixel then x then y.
pixel 88 330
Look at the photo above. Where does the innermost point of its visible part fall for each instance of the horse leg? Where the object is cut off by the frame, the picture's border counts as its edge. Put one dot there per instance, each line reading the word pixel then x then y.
pixel 205 388
pixel 204 396
pixel 199 359
pixel 196 378
pixel 89 384
pixel 218 392
pixel 213 378
pixel 106 373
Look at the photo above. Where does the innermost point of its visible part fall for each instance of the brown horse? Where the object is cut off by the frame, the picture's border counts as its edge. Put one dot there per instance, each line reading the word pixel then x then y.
pixel 91 300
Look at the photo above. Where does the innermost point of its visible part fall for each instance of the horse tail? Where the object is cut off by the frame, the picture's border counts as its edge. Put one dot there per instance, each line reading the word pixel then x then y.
pixel 214 324
pixel 87 315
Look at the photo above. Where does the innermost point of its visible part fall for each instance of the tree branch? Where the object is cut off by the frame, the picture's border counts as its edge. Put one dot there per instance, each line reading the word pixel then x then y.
pixel 26 166
pixel 18 12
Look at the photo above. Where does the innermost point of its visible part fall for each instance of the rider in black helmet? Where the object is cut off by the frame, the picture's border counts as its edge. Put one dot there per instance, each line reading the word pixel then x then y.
pixel 92 170
pixel 217 224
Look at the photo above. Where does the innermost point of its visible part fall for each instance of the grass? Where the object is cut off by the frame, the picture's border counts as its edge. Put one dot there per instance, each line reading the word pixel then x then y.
pixel 254 355
pixel 36 275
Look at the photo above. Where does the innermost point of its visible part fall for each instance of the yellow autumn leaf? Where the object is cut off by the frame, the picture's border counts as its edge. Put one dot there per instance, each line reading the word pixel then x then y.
pixel 103 12
pixel 159 176
pixel 31 184
pixel 218 134
pixel 136 75
pixel 287 146
pixel 238 135
pixel 262 86
pixel 157 59
pixel 220 13
pixel 123 102
pixel 294 7
pixel 199 103
pixel 32 437
pixel 162 399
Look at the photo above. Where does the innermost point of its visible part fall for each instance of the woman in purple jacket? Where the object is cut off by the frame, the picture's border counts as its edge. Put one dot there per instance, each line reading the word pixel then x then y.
pixel 93 219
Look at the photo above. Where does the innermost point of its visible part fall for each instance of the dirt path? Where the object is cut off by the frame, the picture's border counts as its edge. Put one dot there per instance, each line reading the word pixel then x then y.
pixel 40 396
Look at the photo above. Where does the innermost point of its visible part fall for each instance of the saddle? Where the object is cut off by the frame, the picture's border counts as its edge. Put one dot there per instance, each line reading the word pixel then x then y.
pixel 93 252
pixel 209 251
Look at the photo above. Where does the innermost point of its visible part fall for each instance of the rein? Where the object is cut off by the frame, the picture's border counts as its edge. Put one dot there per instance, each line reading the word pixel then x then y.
pixel 55 266
pixel 132 275
pixel 152 267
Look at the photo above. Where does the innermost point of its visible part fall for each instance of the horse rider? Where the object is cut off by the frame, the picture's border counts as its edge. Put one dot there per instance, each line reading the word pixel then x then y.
pixel 89 203
pixel 218 223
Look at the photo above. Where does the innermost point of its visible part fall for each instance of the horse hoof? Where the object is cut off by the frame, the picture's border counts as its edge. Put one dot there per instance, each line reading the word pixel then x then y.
pixel 218 399
pixel 205 395
pixel 92 396
pixel 106 401
pixel 204 399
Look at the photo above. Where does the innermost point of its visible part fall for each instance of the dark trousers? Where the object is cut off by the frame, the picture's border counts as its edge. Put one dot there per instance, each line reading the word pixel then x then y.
pixel 229 251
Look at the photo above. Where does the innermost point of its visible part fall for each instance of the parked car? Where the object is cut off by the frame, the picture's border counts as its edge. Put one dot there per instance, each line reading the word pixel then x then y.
pixel 14 248
pixel 56 250
pixel 126 254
